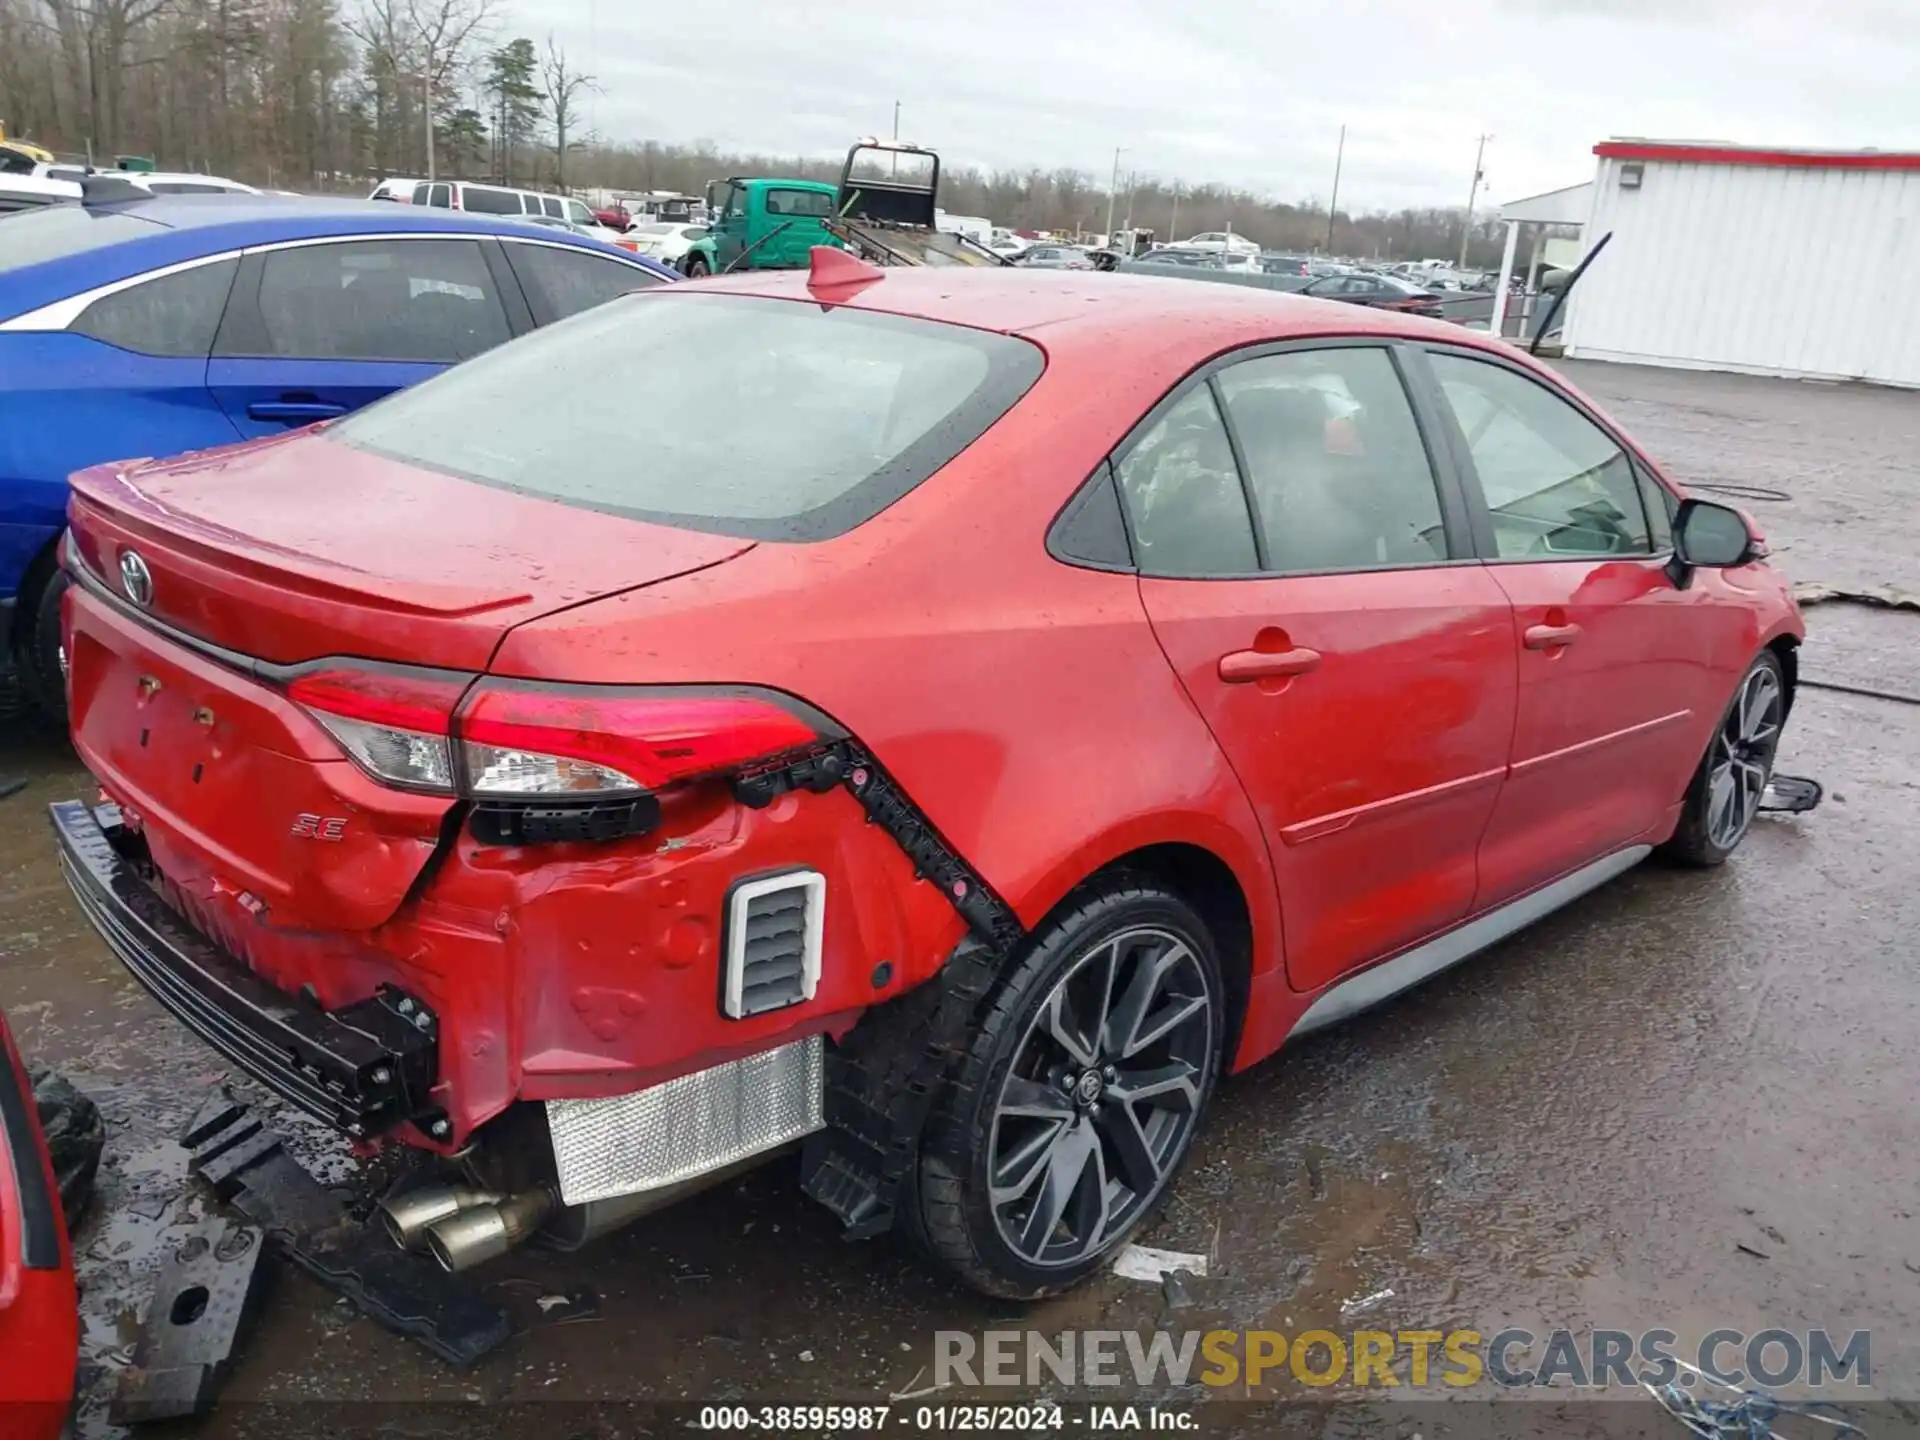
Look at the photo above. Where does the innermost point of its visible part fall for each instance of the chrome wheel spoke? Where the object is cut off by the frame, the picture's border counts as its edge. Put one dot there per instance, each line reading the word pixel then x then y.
pixel 1067 1162
pixel 1033 1099
pixel 1133 1152
pixel 1022 1166
pixel 1169 1087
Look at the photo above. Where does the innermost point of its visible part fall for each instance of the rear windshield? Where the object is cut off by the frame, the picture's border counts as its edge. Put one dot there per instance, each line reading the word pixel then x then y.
pixel 790 422
pixel 34 237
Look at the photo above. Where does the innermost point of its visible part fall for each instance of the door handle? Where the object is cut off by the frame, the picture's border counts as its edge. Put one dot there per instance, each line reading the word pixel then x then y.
pixel 1241 666
pixel 294 412
pixel 1551 637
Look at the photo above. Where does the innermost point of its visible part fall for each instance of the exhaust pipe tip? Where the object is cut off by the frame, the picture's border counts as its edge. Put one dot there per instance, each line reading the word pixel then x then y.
pixel 407 1217
pixel 487 1231
pixel 470 1238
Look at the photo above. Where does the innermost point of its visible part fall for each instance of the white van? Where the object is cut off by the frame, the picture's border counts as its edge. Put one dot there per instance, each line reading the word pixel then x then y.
pixel 499 200
pixel 30 192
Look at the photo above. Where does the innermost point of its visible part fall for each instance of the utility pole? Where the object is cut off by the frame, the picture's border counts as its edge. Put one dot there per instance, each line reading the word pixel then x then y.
pixel 1333 205
pixel 1466 226
pixel 894 162
pixel 1113 187
pixel 1173 223
pixel 896 119
pixel 1133 180
pixel 426 104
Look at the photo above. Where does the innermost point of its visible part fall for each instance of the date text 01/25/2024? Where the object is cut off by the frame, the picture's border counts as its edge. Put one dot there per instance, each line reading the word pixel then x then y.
pixel 974 1419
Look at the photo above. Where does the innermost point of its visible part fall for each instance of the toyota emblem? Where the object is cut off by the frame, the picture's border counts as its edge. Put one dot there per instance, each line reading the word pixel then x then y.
pixel 135 578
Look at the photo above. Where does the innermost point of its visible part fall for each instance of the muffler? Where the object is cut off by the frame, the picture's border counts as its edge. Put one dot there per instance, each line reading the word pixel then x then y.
pixel 406 1217
pixel 487 1231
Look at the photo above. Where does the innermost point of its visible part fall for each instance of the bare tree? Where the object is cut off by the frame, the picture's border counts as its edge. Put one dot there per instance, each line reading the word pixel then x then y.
pixel 447 32
pixel 94 39
pixel 563 85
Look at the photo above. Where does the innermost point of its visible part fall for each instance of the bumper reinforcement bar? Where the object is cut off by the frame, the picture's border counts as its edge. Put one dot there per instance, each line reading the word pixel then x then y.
pixel 362 1069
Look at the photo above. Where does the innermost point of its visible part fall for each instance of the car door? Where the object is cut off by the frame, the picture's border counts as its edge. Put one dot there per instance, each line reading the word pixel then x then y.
pixel 730 225
pixel 563 280
pixel 1308 571
pixel 1617 684
pixel 92 379
pixel 318 330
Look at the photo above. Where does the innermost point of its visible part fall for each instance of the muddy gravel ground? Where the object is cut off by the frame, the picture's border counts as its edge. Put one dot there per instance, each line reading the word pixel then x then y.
pixel 1687 1101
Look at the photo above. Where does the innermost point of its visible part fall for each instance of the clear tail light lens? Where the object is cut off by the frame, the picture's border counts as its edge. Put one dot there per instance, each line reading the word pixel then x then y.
pixel 394 723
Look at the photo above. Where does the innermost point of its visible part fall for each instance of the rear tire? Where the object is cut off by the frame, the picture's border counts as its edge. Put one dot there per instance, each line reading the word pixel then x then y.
pixel 1063 1127
pixel 37 642
pixel 697 267
pixel 1724 795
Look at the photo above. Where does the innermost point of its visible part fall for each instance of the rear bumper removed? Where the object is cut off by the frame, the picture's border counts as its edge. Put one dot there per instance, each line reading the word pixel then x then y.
pixel 363 1069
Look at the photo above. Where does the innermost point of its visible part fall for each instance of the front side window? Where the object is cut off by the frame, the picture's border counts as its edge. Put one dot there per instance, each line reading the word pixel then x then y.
pixel 1555 483
pixel 1182 492
pixel 428 300
pixel 849 411
pixel 1340 479
pixel 550 205
pixel 173 315
pixel 578 213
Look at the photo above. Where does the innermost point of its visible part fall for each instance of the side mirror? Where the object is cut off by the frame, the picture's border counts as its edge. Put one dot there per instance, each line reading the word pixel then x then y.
pixel 1708 534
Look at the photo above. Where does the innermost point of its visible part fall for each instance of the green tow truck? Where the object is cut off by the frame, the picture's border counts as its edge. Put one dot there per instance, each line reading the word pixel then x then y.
pixel 883 210
pixel 761 224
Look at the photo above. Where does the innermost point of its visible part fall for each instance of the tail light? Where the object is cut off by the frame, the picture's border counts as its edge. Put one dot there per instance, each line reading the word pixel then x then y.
pixel 493 739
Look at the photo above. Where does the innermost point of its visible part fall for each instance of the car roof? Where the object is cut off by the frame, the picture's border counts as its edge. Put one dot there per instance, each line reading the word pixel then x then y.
pixel 1175 323
pixel 187 227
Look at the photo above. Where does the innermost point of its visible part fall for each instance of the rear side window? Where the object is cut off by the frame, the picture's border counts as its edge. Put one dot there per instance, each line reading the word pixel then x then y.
pixel 185 187
pixel 850 410
pixel 440 197
pixel 174 315
pixel 1183 494
pixel 57 231
pixel 431 300
pixel 482 201
pixel 813 203
pixel 561 281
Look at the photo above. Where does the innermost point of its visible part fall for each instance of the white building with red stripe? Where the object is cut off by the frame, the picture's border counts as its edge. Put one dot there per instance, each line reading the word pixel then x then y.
pixel 1801 263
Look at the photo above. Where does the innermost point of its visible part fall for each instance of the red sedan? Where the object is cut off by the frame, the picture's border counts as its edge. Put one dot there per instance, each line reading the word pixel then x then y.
pixel 39 1316
pixel 994 706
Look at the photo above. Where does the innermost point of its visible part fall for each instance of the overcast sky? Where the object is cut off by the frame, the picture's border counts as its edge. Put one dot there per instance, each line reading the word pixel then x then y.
pixel 1253 92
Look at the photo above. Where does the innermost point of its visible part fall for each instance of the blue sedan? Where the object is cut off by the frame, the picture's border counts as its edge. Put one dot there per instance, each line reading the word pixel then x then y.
pixel 159 325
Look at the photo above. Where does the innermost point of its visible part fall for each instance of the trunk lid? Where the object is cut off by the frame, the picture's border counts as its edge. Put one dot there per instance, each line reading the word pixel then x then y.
pixel 297 547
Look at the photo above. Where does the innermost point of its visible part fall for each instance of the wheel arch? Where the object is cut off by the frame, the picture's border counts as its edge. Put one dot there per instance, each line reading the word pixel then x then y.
pixel 35 576
pixel 1229 897
pixel 1786 649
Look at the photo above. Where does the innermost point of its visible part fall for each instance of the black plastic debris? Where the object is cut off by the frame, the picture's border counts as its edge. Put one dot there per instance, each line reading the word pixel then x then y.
pixel 249 1168
pixel 1791 794
pixel 206 1294
pixel 76 1136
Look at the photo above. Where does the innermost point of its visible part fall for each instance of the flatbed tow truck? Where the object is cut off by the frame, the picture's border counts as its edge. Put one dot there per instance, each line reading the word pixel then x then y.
pixel 885 211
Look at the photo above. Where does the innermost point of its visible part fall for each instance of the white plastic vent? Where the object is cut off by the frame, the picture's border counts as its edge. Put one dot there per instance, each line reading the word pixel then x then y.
pixel 774 931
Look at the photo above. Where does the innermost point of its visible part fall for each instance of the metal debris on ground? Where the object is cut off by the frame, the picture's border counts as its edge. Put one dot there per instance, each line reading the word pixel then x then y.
pixel 1143 1262
pixel 1745 1414
pixel 1883 597
pixel 1174 1286
pixel 206 1293
pixel 249 1168
pixel 1791 794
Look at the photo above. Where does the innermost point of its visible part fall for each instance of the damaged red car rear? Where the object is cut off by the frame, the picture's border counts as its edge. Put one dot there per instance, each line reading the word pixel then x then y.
pixel 835 773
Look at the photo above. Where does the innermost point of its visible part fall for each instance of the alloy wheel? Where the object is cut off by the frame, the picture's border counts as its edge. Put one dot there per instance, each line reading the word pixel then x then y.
pixel 1742 757
pixel 1102 1097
